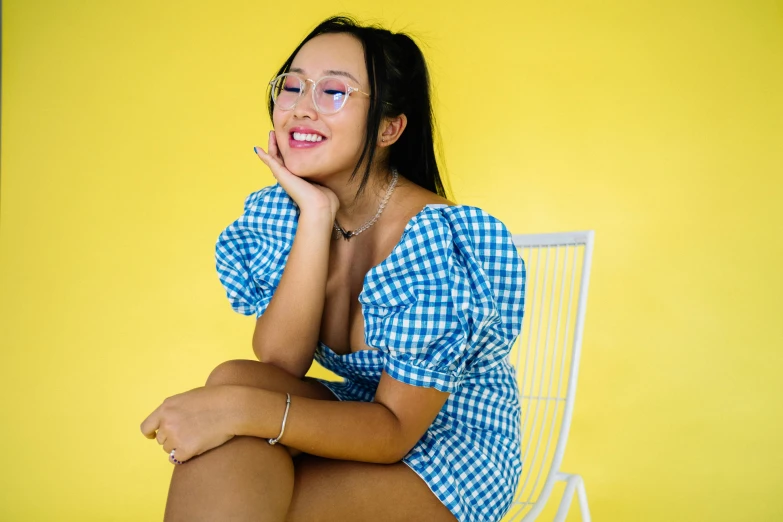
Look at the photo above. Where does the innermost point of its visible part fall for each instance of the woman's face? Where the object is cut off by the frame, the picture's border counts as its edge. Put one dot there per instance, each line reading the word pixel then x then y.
pixel 342 132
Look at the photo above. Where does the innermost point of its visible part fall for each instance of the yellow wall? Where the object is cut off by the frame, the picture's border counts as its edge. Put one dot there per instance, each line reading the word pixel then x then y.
pixel 126 147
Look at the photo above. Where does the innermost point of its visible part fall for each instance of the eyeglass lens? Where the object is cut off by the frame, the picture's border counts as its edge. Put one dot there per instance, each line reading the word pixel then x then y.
pixel 330 93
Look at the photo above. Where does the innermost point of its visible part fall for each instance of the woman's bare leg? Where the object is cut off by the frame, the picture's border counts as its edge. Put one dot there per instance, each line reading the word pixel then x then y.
pixel 244 479
pixel 247 479
pixel 328 490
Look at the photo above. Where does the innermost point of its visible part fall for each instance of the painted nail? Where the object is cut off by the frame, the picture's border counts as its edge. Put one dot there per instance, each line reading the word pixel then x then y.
pixel 255 151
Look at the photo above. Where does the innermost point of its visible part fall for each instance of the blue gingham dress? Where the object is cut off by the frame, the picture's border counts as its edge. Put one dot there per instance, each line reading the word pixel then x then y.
pixel 443 311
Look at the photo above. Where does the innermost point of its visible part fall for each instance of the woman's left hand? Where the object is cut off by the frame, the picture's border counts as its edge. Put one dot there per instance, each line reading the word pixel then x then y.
pixel 195 421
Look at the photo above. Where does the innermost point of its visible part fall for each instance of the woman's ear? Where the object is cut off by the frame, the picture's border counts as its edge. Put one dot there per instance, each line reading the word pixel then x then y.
pixel 391 130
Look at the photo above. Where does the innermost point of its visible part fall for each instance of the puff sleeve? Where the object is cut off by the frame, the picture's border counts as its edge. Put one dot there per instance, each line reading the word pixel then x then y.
pixel 250 254
pixel 434 308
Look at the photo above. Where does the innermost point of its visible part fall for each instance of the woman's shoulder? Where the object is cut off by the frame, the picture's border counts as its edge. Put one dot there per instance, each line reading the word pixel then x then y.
pixel 461 226
pixel 440 221
pixel 251 251
pixel 458 257
pixel 442 237
pixel 268 212
pixel 268 222
pixel 270 200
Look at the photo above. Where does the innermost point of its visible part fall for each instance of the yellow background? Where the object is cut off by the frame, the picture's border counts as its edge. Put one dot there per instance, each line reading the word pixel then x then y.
pixel 127 130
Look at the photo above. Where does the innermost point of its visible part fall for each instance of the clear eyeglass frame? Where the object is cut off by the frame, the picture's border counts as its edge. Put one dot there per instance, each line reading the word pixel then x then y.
pixel 303 87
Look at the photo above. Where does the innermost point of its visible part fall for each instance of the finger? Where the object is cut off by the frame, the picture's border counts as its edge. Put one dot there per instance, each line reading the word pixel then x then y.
pixel 150 425
pixel 274 150
pixel 270 162
pixel 168 446
pixel 272 144
pixel 261 153
pixel 175 460
pixel 160 437
pixel 180 456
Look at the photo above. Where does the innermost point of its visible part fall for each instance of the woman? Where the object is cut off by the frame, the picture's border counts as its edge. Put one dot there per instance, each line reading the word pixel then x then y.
pixel 414 300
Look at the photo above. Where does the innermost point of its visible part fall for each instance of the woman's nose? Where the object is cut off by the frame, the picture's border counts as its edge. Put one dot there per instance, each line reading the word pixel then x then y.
pixel 304 106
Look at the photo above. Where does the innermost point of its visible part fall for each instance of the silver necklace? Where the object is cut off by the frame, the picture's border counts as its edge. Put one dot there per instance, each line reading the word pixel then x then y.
pixel 347 234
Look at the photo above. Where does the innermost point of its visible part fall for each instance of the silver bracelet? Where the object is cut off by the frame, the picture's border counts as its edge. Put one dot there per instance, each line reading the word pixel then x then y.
pixel 274 441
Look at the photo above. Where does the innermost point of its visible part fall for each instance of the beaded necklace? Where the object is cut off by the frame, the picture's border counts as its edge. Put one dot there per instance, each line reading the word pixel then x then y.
pixel 347 234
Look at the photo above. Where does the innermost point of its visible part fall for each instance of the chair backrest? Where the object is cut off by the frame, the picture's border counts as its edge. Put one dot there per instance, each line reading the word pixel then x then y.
pixel 546 356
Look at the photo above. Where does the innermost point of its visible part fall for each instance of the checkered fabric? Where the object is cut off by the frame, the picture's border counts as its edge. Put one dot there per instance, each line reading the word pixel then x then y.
pixel 443 311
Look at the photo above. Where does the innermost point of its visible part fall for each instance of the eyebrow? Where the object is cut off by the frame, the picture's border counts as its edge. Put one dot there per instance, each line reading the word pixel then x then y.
pixel 329 72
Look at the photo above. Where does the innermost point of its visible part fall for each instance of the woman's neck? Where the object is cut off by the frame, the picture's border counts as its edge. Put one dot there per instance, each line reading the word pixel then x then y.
pixel 353 211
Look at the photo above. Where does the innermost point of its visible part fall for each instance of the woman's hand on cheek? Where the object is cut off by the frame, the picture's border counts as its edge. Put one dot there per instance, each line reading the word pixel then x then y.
pixel 195 421
pixel 308 196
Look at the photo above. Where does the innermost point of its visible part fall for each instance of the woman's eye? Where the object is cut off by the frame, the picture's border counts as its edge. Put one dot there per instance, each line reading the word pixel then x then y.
pixel 291 89
pixel 334 92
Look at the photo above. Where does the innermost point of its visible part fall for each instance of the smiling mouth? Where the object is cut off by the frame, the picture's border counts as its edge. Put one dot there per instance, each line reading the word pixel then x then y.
pixel 305 140
pixel 302 137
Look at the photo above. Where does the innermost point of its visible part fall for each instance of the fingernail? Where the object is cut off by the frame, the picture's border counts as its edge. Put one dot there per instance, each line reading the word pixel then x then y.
pixel 255 151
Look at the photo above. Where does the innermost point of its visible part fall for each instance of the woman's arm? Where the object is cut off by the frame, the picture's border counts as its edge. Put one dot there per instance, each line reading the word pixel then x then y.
pixel 382 431
pixel 287 333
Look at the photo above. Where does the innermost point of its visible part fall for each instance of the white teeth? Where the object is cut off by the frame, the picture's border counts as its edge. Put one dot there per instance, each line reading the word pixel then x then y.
pixel 298 136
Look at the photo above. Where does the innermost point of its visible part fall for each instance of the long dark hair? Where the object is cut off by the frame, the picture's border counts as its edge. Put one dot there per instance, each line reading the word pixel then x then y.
pixel 399 84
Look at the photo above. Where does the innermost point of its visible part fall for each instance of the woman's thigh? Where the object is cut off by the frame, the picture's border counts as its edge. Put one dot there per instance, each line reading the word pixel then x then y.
pixel 334 490
pixel 328 490
pixel 245 372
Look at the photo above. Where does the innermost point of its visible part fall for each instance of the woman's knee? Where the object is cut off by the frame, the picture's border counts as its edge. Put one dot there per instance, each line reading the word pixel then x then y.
pixel 243 372
pixel 240 372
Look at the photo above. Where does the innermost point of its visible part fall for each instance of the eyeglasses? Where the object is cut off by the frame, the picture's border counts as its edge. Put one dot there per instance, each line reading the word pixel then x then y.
pixel 329 93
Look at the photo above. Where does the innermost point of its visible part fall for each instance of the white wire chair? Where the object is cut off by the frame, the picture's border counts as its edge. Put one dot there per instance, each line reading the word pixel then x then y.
pixel 554 320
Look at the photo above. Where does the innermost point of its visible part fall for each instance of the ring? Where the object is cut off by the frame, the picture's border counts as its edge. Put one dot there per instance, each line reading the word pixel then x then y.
pixel 171 456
